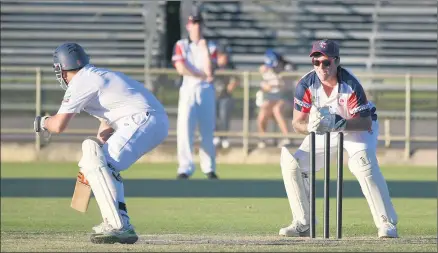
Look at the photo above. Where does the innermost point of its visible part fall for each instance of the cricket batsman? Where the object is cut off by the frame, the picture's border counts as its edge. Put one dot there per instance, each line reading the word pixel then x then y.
pixel 193 59
pixel 133 122
pixel 331 99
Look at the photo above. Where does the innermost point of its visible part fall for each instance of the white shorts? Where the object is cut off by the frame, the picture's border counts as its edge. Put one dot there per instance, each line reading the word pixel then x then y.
pixel 135 136
pixel 353 143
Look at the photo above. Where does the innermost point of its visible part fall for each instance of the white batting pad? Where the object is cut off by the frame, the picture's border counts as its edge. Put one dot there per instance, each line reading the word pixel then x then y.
pixel 366 169
pixel 102 182
pixel 297 187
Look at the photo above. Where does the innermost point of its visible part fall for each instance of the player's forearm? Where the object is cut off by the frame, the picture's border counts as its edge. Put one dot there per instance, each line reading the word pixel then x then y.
pixel 55 124
pixel 300 126
pixel 359 124
pixel 207 63
pixel 190 72
pixel 183 70
pixel 208 66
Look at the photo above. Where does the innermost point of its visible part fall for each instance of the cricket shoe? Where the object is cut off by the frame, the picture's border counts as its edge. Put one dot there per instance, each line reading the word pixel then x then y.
pixel 182 176
pixel 99 229
pixel 212 175
pixel 388 230
pixel 106 234
pixel 102 227
pixel 296 229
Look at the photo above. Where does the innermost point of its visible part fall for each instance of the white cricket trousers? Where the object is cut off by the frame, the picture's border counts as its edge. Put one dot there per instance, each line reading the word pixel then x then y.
pixel 371 180
pixel 196 106
pixel 353 142
pixel 135 136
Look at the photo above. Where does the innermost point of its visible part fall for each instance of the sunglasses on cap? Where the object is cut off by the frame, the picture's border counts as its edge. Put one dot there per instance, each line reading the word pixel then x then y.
pixel 324 63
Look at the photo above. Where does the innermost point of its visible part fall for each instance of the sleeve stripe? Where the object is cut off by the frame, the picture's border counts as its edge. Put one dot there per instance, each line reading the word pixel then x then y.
pixel 178 54
pixel 303 104
pixel 177 58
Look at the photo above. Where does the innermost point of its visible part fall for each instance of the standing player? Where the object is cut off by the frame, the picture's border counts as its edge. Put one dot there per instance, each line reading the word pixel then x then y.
pixel 133 122
pixel 192 59
pixel 331 99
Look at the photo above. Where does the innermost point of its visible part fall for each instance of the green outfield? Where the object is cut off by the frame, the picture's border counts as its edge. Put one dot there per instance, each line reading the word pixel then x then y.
pixel 241 212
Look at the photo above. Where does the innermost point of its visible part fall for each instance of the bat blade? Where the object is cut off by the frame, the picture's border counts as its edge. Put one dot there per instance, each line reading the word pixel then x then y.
pixel 81 195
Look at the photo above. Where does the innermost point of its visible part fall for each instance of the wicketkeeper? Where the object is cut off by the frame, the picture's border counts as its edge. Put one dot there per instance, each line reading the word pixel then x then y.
pixel 331 99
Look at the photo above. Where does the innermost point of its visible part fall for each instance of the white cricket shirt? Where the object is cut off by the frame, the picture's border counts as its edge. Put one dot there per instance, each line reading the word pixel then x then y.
pixel 189 52
pixel 107 95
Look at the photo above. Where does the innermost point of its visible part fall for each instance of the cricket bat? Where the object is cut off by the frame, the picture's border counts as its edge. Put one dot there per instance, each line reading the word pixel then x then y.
pixel 81 195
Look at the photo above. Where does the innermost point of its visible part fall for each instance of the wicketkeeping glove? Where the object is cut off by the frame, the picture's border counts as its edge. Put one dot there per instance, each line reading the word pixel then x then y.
pixel 322 121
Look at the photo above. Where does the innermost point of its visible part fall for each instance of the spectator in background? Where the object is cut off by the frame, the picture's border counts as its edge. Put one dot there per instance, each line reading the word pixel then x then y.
pixel 271 97
pixel 224 85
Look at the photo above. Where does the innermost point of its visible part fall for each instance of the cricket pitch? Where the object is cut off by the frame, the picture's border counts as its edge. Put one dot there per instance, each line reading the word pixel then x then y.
pixel 51 242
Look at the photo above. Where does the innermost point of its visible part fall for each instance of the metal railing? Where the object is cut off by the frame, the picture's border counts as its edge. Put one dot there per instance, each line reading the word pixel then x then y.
pixel 246 134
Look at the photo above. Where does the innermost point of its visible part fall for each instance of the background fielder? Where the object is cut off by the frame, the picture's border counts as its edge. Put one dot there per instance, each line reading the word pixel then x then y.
pixel 197 102
pixel 133 122
pixel 331 99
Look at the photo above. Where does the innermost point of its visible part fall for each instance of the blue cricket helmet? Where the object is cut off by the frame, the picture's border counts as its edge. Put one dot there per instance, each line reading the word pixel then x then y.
pixel 68 56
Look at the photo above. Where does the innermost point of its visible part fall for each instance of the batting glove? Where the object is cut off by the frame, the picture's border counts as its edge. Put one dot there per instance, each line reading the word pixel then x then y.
pixel 38 124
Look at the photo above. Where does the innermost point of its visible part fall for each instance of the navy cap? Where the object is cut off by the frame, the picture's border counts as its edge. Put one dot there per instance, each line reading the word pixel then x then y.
pixel 326 47
pixel 195 14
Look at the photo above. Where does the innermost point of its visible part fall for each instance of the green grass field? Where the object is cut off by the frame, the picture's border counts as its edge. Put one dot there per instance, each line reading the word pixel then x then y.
pixel 241 212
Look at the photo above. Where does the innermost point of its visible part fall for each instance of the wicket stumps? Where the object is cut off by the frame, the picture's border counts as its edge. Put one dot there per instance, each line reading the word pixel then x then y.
pixel 340 168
